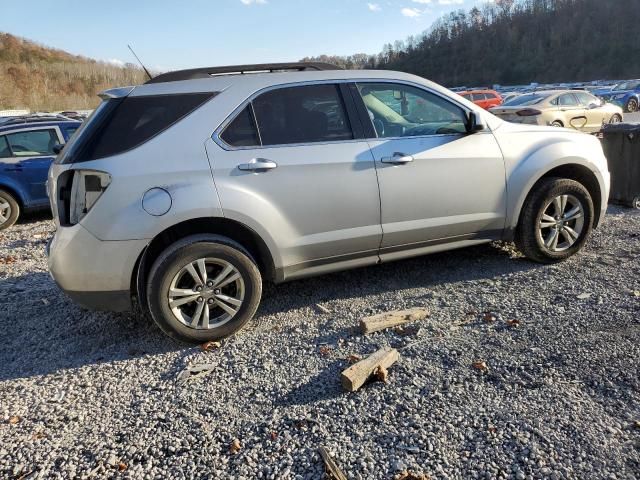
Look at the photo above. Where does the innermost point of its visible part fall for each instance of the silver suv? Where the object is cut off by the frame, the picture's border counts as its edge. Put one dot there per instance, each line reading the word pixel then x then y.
pixel 184 194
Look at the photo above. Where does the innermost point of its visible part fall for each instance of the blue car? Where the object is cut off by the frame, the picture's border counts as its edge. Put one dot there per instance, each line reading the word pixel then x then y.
pixel 625 95
pixel 27 148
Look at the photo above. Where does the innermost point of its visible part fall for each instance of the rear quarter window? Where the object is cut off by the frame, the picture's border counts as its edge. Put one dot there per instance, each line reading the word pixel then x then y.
pixel 124 124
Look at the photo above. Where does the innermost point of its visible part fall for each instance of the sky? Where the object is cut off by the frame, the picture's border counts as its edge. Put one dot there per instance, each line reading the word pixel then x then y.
pixel 173 34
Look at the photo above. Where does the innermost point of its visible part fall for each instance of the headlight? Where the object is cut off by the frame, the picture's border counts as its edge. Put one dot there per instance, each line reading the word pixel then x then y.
pixel 86 189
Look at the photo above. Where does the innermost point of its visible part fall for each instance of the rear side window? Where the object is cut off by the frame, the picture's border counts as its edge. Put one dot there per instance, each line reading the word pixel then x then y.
pixel 124 124
pixel 307 114
pixel 4 148
pixel 242 131
pixel 33 143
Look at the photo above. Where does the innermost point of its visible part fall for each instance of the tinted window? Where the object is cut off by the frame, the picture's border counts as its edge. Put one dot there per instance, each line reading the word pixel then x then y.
pixel 402 111
pixel 307 114
pixel 33 143
pixel 242 131
pixel 468 96
pixel 567 100
pixel 4 148
pixel 478 96
pixel 127 123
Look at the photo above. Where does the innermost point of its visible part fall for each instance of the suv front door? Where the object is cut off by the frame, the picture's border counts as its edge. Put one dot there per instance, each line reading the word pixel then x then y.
pixel 292 158
pixel 437 182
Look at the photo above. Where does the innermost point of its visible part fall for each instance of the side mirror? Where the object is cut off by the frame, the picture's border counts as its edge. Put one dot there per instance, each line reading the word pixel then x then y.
pixel 593 105
pixel 57 148
pixel 476 123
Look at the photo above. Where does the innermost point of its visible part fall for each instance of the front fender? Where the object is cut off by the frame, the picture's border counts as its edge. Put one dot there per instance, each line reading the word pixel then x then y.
pixel 524 174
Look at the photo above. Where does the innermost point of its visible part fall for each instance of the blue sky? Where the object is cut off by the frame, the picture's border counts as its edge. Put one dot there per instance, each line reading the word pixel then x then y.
pixel 170 34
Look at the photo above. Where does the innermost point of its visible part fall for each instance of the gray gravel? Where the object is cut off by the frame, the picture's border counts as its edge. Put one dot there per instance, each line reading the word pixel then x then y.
pixel 96 395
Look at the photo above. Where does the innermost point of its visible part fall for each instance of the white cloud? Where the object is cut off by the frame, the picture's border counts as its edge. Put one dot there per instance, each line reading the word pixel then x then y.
pixel 251 2
pixel 374 7
pixel 422 1
pixel 449 2
pixel 411 12
pixel 115 61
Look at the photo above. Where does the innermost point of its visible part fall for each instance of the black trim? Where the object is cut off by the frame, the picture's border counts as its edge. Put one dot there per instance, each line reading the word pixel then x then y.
pixel 352 112
pixel 111 301
pixel 486 235
pixel 363 114
pixel 208 72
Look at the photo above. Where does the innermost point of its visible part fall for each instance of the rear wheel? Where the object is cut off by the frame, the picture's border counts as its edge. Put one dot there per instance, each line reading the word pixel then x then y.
pixel 556 220
pixel 9 210
pixel 632 105
pixel 616 118
pixel 203 288
pixel 557 123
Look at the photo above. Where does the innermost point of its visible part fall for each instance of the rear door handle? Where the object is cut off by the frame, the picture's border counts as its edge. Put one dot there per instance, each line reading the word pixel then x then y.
pixel 258 164
pixel 398 159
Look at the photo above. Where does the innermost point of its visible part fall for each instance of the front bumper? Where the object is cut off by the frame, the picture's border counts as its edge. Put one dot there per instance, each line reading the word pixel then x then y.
pixel 94 273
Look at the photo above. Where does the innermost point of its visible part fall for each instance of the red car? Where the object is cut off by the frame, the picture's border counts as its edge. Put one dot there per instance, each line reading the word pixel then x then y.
pixel 483 98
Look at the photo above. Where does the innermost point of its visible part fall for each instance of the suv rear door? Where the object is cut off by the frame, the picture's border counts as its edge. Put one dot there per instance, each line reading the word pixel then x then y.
pixel 292 164
pixel 437 182
pixel 26 161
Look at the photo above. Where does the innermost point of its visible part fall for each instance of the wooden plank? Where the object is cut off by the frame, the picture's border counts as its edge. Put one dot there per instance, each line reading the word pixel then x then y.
pixel 331 466
pixel 385 320
pixel 356 375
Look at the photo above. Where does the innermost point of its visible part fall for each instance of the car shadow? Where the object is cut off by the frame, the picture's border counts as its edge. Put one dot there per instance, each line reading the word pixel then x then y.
pixel 44 332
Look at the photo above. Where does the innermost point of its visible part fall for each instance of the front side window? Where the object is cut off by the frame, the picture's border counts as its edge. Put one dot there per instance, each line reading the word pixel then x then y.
pixel 33 143
pixel 567 100
pixel 305 114
pixel 400 110
pixel 586 99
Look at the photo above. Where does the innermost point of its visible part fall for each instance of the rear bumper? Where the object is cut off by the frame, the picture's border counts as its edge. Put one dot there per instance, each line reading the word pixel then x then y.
pixel 93 273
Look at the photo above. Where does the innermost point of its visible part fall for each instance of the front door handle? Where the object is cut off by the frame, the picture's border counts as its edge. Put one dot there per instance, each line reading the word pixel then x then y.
pixel 258 164
pixel 398 159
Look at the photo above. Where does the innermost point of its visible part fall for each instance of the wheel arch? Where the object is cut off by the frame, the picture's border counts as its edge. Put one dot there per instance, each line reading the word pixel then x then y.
pixel 15 192
pixel 572 171
pixel 232 229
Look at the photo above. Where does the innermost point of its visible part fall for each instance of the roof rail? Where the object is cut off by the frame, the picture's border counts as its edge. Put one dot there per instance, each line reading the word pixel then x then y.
pixel 207 72
pixel 28 119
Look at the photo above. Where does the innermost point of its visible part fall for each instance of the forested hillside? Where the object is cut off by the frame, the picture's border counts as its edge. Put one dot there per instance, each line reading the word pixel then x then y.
pixel 521 41
pixel 43 79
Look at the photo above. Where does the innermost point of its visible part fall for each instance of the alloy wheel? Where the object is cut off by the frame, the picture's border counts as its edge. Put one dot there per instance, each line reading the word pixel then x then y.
pixel 632 106
pixel 5 210
pixel 561 223
pixel 206 293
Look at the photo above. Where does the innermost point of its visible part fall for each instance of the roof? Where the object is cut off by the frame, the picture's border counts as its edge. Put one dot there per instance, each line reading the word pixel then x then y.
pixel 258 81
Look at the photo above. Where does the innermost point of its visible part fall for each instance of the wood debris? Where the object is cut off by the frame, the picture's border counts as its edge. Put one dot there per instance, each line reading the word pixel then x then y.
pixel 207 347
pixel 235 447
pixel 331 466
pixel 386 320
pixel 480 365
pixel 356 375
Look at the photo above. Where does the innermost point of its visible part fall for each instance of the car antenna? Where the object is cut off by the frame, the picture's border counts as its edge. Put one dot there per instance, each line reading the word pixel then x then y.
pixel 141 64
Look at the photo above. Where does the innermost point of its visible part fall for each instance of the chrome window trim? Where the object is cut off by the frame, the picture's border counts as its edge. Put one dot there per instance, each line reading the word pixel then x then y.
pixel 217 134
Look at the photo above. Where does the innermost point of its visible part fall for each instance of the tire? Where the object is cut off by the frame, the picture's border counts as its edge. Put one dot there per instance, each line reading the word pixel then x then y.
pixel 9 210
pixel 632 105
pixel 535 235
pixel 189 322
pixel 557 123
pixel 615 118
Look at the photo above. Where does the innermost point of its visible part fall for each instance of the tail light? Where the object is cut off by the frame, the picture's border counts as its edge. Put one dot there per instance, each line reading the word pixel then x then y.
pixel 528 112
pixel 82 193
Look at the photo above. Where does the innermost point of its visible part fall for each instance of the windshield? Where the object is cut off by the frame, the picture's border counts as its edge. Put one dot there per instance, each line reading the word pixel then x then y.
pixel 529 99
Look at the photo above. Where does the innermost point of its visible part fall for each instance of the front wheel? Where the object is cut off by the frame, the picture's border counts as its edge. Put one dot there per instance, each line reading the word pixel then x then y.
pixel 555 221
pixel 203 288
pixel 632 105
pixel 9 210
pixel 616 118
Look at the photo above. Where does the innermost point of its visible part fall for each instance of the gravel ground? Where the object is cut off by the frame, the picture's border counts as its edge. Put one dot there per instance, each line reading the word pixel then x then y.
pixel 96 395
